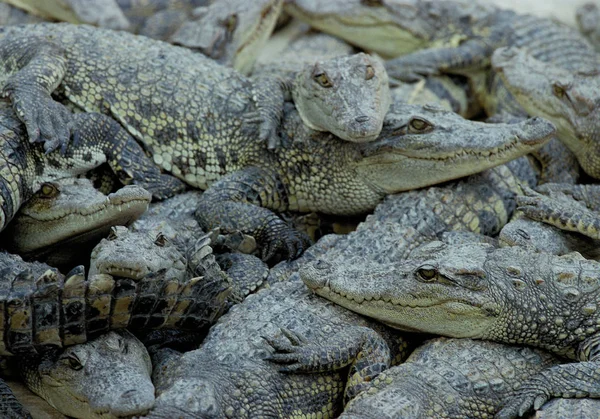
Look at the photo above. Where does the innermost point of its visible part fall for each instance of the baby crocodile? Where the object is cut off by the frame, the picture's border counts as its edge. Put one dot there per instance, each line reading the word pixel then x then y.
pixel 474 290
pixel 571 100
pixel 105 377
pixel 450 379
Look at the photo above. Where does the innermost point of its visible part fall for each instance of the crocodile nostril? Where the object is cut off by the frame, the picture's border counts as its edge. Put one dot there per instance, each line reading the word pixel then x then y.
pixel 129 393
pixel 362 118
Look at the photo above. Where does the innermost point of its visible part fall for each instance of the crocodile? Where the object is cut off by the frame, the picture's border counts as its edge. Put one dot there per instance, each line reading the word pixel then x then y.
pixel 106 377
pixel 106 13
pixel 418 147
pixel 588 21
pixel 10 406
pixel 508 295
pixel 212 102
pixel 10 15
pixel 228 376
pixel 569 409
pixel 63 221
pixel 230 31
pixel 455 37
pixel 569 99
pixel 449 378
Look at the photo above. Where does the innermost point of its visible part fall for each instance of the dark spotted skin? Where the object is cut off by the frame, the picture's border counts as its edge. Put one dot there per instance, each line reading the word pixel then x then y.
pixel 96 139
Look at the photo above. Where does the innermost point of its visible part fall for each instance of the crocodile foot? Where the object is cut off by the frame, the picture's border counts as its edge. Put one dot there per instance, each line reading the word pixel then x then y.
pixel 522 402
pixel 293 351
pixel 279 239
pixel 47 121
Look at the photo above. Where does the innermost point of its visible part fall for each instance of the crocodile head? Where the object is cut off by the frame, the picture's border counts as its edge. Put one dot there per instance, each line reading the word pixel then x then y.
pixel 232 31
pixel 348 96
pixel 388 27
pixel 421 146
pixel 107 377
pixel 63 220
pixel 134 255
pixel 471 290
pixel 569 100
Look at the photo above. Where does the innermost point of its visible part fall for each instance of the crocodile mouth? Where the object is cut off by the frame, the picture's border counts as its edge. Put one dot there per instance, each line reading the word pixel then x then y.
pixel 268 14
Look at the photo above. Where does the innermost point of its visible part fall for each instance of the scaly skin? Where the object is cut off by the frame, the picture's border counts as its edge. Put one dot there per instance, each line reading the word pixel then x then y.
pixel 567 207
pixel 231 31
pixel 455 37
pixel 63 221
pixel 569 100
pixel 507 295
pixel 107 377
pixel 105 13
pixel 540 237
pixel 418 147
pixel 229 376
pixel 360 79
pixel 10 406
pixel 569 409
pixel 588 20
pixel 449 378
pixel 97 139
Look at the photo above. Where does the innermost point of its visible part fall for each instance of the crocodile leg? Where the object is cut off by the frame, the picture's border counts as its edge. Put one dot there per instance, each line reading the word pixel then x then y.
pixel 10 407
pixel 560 210
pixel 125 156
pixel 413 67
pixel 234 203
pixel 361 348
pixel 574 380
pixel 271 92
pixel 33 68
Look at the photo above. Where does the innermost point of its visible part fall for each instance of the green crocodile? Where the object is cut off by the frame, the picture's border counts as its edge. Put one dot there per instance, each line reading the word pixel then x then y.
pixel 474 290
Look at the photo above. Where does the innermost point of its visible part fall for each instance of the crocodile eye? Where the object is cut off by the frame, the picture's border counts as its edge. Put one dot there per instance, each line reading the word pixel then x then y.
pixel 161 240
pixel 427 273
pixel 74 362
pixel 419 125
pixel 231 23
pixel 370 72
pixel 49 190
pixel 113 234
pixel 322 79
pixel 372 3
pixel 558 90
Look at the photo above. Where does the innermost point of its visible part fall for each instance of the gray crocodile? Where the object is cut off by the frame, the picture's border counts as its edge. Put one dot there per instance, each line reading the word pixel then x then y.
pixel 230 31
pixel 474 290
pixel 10 15
pixel 235 107
pixel 417 145
pixel 457 37
pixel 569 99
pixel 63 221
pixel 449 378
pixel 289 178
pixel 569 409
pixel 588 21
pixel 228 376
pixel 106 377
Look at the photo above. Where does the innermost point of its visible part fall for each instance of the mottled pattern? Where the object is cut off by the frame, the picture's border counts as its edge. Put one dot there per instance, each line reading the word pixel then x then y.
pixel 229 376
pixel 449 378
pixel 508 295
pixel 588 20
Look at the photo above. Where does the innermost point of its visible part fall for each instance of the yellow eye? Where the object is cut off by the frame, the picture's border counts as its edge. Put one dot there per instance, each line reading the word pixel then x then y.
pixel 322 79
pixel 231 23
pixel 370 72
pixel 372 3
pixel 74 362
pixel 558 90
pixel 49 190
pixel 419 125
pixel 427 273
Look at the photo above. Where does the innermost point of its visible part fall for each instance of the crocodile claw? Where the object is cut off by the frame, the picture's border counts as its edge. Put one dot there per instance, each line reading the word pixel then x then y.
pixel 294 352
pixel 48 121
pixel 523 402
pixel 280 240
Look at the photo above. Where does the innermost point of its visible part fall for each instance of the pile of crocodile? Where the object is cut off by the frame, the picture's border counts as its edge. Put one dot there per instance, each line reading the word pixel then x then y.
pixel 299 208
